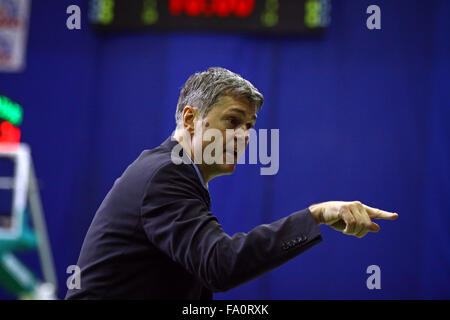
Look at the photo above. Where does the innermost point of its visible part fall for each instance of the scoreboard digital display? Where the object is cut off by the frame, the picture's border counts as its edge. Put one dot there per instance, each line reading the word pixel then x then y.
pixel 305 17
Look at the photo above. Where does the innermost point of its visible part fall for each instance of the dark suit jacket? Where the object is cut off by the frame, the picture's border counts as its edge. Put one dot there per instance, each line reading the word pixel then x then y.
pixel 154 237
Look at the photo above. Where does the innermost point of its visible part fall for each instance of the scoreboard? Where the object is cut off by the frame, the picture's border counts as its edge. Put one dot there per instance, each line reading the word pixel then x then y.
pixel 305 17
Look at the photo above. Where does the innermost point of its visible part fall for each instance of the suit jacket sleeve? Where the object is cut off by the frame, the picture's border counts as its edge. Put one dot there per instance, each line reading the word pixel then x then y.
pixel 177 221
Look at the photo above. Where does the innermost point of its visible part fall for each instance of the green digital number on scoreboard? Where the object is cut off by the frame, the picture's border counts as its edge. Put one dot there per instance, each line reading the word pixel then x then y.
pixel 259 16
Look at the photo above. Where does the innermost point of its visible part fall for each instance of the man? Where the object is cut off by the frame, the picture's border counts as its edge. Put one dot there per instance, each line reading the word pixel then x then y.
pixel 154 236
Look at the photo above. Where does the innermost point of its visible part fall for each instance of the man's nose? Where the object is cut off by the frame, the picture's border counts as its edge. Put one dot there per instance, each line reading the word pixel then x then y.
pixel 242 134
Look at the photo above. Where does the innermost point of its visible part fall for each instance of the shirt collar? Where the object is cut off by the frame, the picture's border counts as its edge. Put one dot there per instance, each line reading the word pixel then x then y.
pixel 205 185
pixel 198 173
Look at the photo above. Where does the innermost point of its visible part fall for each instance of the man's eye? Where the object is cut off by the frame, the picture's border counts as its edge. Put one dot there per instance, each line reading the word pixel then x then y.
pixel 232 121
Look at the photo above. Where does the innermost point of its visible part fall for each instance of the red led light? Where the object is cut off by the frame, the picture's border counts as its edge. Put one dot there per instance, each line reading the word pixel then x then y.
pixel 176 7
pixel 220 8
pixel 244 8
pixel 9 136
pixel 194 8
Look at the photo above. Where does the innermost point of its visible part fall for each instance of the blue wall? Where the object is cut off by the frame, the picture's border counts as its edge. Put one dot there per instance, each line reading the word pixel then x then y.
pixel 362 115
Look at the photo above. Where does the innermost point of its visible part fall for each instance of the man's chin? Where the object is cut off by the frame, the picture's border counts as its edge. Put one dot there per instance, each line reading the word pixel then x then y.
pixel 227 168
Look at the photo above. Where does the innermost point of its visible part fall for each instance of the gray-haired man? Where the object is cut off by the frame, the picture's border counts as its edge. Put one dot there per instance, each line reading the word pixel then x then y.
pixel 154 236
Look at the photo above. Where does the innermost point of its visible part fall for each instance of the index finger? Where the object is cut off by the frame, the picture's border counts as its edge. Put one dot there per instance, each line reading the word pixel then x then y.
pixel 380 214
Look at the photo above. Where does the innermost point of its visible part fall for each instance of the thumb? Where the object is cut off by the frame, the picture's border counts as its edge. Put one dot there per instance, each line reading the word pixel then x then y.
pixel 374 227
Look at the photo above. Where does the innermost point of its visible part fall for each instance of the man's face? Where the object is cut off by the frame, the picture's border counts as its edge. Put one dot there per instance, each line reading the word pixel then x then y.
pixel 232 118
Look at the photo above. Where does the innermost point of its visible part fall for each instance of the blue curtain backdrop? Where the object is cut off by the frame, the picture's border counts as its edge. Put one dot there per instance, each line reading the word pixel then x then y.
pixel 362 115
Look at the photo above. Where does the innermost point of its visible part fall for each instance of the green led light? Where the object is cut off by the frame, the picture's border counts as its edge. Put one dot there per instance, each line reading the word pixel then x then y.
pixel 313 10
pixel 106 11
pixel 10 111
pixel 150 12
pixel 270 16
pixel 269 19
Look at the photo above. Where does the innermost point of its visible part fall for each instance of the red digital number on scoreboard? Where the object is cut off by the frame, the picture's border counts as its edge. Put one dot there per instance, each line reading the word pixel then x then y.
pixel 220 8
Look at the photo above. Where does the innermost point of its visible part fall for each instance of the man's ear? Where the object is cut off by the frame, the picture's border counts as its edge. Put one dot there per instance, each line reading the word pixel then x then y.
pixel 189 114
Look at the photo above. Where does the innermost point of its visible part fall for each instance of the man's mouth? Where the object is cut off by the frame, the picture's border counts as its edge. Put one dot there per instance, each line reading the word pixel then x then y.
pixel 233 152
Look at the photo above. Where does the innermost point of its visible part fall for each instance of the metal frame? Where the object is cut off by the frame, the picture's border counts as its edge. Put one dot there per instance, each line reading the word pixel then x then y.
pixel 25 198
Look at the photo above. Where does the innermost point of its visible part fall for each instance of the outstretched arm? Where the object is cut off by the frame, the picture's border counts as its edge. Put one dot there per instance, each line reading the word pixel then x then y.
pixel 178 222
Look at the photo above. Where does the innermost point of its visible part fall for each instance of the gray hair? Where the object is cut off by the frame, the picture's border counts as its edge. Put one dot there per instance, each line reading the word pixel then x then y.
pixel 204 89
